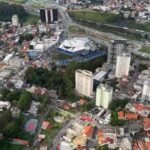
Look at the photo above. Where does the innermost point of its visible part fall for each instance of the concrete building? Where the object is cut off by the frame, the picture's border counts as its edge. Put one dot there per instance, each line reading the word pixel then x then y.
pixel 103 95
pixel 84 82
pixel 146 90
pixel 115 48
pixel 123 65
pixel 15 20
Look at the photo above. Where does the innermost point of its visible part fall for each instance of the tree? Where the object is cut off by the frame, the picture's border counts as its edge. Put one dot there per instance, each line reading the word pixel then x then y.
pixel 4 92
pixel 24 100
pixel 41 108
pixel 105 147
pixel 118 104
pixel 11 129
pixel 45 99
pixel 5 117
pixel 89 105
pixel 115 121
pixel 13 95
pixel 26 36
pixel 67 87
pixel 7 10
pixel 142 67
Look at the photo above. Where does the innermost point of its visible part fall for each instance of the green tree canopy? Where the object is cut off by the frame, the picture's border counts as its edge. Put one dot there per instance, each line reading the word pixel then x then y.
pixel 24 100
pixel 7 10
pixel 11 129
pixel 5 117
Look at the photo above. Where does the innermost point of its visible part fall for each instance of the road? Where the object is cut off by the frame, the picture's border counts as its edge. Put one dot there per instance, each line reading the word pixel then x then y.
pixel 42 118
pixel 60 134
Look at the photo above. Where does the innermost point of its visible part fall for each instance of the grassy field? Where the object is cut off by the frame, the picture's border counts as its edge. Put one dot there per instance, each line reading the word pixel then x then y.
pixel 75 29
pixel 94 16
pixel 145 49
pixel 108 18
pixel 15 1
pixel 8 146
pixel 144 27
pixel 19 1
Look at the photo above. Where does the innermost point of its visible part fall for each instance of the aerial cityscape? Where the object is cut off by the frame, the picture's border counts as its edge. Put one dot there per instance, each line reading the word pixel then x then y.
pixel 74 74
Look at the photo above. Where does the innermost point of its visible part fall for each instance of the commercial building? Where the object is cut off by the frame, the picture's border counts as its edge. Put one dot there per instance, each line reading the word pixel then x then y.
pixel 123 65
pixel 49 15
pixel 76 45
pixel 15 20
pixel 146 90
pixel 84 82
pixel 103 95
pixel 115 48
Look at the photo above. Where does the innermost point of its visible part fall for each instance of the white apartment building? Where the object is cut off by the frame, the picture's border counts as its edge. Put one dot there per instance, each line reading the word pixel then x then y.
pixel 103 95
pixel 84 82
pixel 15 20
pixel 123 65
pixel 146 90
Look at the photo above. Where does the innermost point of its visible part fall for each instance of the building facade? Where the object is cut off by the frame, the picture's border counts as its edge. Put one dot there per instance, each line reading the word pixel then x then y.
pixel 103 95
pixel 115 48
pixel 15 20
pixel 48 15
pixel 146 90
pixel 84 82
pixel 123 65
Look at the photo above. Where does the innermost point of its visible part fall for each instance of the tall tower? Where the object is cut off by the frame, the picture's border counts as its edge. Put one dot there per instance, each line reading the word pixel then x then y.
pixel 103 95
pixel 84 82
pixel 146 90
pixel 115 48
pixel 123 65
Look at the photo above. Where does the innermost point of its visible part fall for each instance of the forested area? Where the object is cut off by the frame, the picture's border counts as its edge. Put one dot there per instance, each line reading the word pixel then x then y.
pixel 7 10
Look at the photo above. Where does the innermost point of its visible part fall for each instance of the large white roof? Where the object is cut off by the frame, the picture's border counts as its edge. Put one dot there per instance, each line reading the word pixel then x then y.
pixel 76 44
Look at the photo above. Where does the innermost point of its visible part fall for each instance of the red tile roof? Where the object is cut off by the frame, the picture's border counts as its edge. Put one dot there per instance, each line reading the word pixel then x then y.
pixel 144 145
pixel 104 140
pixel 86 118
pixel 121 115
pixel 135 146
pixel 148 134
pixel 66 107
pixel 147 145
pixel 131 116
pixel 88 131
pixel 146 122
pixel 81 148
pixel 45 125
pixel 82 101
pixel 138 107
